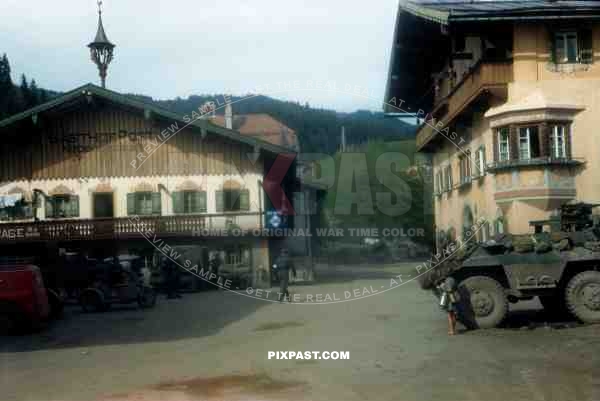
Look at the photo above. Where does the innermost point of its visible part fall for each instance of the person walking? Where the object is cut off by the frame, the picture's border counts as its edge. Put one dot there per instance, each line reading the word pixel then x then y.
pixel 283 265
pixel 449 302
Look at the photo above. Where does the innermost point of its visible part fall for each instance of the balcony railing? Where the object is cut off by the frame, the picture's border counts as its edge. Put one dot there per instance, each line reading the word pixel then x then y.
pixel 484 76
pixel 538 161
pixel 235 223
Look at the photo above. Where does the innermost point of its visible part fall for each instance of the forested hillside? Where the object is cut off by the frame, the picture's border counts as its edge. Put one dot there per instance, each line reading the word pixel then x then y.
pixel 319 130
pixel 13 98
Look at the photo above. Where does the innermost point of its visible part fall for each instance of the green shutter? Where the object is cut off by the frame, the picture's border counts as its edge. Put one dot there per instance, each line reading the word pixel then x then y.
pixel 131 204
pixel 220 201
pixel 244 199
pixel 178 202
pixel 156 203
pixel 199 202
pixel 73 206
pixel 49 208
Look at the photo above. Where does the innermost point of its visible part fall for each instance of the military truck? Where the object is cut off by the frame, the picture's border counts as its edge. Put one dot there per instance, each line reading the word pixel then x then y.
pixel 559 263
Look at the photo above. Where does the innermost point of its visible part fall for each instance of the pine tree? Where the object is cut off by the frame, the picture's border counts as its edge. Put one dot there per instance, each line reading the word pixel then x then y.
pixel 7 102
pixel 5 80
pixel 24 98
pixel 34 94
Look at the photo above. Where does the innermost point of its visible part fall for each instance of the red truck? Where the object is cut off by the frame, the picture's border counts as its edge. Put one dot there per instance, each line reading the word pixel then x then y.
pixel 23 298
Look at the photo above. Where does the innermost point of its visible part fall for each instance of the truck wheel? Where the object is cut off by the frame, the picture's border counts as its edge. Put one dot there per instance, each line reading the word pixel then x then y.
pixel 583 296
pixel 483 302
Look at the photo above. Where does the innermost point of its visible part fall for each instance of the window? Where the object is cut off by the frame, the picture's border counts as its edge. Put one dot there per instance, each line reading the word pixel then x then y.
pixel 233 200
pixel 558 142
pixel 565 47
pixel 465 168
pixel 529 143
pixel 16 210
pixel 448 178
pixel 439 180
pixel 62 206
pixel 144 203
pixel 503 145
pixel 479 162
pixel 189 202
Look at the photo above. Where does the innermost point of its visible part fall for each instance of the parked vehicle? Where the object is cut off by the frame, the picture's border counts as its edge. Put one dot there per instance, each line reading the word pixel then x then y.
pixel 560 264
pixel 195 254
pixel 23 298
pixel 117 281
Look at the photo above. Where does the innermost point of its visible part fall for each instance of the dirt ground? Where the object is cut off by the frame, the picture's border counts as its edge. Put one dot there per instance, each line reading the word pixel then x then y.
pixel 214 346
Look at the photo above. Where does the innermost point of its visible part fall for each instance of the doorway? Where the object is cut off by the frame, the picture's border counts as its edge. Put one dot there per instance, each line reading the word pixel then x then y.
pixel 103 205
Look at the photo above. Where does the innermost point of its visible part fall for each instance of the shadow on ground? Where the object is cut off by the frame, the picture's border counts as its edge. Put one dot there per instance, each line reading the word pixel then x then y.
pixel 195 315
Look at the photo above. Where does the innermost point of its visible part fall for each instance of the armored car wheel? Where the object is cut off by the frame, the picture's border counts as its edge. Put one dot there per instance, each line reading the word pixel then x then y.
pixel 583 296
pixel 484 303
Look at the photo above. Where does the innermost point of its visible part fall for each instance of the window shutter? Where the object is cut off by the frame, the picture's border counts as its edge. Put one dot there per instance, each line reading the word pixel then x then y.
pixel 220 200
pixel 244 199
pixel 568 141
pixel 514 143
pixel 545 132
pixel 178 202
pixel 74 206
pixel 156 203
pixel 586 46
pixel 131 204
pixel 200 201
pixel 49 207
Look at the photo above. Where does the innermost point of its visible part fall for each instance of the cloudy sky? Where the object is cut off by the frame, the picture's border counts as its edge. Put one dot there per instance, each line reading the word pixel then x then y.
pixel 168 48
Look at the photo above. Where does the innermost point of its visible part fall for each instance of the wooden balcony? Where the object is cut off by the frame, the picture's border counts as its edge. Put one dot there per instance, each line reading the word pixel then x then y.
pixel 486 77
pixel 214 225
